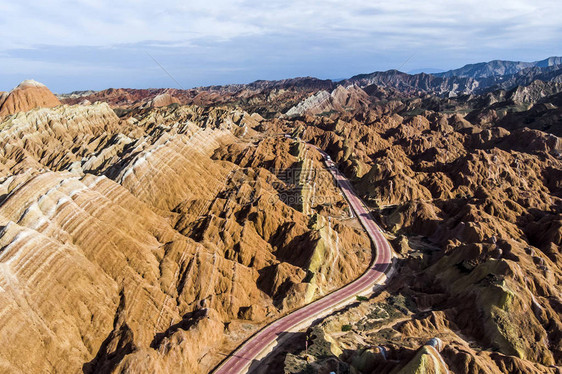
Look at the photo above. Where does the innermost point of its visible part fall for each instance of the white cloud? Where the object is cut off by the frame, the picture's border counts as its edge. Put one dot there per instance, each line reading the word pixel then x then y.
pixel 263 39
pixel 103 23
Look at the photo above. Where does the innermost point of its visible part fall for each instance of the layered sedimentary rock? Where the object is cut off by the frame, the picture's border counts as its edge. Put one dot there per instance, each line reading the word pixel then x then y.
pixel 338 100
pixel 474 212
pixel 27 95
pixel 141 234
pixel 163 99
pixel 158 240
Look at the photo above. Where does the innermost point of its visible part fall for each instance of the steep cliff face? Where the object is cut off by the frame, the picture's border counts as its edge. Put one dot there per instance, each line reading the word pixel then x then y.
pixel 160 239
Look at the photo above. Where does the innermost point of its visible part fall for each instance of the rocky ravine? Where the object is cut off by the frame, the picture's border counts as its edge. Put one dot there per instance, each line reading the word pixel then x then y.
pixel 156 236
pixel 476 216
pixel 160 240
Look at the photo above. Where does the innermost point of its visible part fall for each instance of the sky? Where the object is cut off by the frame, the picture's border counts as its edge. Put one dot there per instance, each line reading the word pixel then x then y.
pixel 97 44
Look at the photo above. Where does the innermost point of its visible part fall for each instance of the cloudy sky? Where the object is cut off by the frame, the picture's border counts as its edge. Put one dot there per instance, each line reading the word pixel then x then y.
pixel 96 44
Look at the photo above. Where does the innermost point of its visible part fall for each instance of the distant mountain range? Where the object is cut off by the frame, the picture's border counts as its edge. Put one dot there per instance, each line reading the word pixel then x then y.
pixel 497 68
pixel 469 79
pixel 472 78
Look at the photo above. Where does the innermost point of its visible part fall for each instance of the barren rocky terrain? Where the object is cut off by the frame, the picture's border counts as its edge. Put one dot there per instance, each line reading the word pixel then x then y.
pixel 156 230
pixel 475 214
pixel 159 239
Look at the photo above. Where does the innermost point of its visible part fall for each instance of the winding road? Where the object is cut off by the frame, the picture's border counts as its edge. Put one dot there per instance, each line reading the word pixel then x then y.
pixel 256 347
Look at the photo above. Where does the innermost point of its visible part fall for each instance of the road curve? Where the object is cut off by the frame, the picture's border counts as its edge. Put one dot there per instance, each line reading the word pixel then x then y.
pixel 240 360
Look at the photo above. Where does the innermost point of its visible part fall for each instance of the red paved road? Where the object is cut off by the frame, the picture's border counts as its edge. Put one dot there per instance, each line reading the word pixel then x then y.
pixel 239 360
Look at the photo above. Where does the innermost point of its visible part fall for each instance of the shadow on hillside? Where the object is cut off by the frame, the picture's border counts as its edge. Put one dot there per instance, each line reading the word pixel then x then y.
pixel 294 342
pixel 273 363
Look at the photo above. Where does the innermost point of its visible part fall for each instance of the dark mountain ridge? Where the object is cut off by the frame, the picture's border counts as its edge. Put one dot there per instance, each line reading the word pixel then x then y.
pixel 497 67
pixel 473 78
pixel 458 85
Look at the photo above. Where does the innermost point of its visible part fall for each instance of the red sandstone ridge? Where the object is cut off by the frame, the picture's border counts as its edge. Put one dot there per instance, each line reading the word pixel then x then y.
pixel 28 95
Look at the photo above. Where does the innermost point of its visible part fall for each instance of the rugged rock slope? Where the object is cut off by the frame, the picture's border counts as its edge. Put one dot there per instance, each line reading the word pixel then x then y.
pixel 498 67
pixel 142 234
pixel 475 213
pixel 264 97
pixel 27 95
pixel 314 96
pixel 158 240
pixel 340 99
